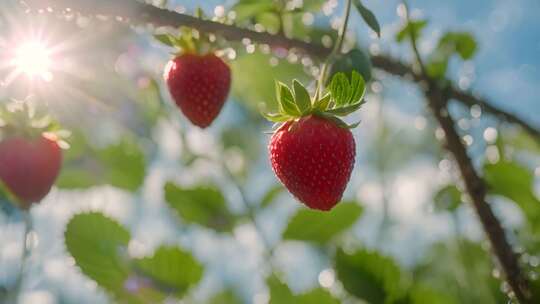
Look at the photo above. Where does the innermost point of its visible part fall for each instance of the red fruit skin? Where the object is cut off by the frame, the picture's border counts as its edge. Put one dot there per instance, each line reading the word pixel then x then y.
pixel 29 167
pixel 199 85
pixel 314 159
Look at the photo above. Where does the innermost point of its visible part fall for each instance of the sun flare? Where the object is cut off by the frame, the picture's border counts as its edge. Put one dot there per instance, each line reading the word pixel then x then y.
pixel 33 59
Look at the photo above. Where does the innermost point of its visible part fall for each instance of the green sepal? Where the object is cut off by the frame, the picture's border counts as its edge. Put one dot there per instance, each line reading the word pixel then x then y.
pixel 343 97
pixel 340 123
pixel 346 110
pixel 301 96
pixel 323 103
pixel 277 117
pixel 345 92
pixel 286 100
pixel 354 125
pixel 166 39
pixel 25 119
pixel 188 40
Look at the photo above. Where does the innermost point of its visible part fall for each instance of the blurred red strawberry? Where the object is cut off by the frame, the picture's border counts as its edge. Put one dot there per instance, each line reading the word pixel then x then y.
pixel 199 85
pixel 29 167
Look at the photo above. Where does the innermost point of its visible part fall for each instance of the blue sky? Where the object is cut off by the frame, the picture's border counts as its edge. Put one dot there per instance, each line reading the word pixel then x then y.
pixel 506 70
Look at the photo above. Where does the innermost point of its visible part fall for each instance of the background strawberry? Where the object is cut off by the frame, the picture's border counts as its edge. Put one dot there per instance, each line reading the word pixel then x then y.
pixel 29 167
pixel 313 158
pixel 199 85
pixel 30 153
pixel 313 151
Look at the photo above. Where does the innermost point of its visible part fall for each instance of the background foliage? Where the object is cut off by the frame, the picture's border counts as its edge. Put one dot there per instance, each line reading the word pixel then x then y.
pixel 149 208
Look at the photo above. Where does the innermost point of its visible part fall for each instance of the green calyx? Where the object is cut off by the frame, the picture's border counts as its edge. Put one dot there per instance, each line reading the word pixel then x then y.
pixel 22 118
pixel 188 40
pixel 342 97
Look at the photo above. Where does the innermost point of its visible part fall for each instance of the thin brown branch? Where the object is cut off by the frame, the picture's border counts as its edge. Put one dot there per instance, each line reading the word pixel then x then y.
pixel 141 13
pixel 476 189
pixel 474 184
pixel 468 99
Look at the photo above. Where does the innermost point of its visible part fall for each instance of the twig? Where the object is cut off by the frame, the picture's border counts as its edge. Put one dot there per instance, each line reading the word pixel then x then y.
pixel 337 46
pixel 475 186
pixel 471 100
pixel 476 189
pixel 15 293
pixel 397 68
pixel 141 13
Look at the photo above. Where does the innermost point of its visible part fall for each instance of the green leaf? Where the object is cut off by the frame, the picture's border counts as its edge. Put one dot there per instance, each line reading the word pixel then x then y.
pixel 125 164
pixel 301 96
pixel 227 296
pixel 321 227
pixel 369 276
pixel 150 101
pixel 368 17
pixel 76 178
pixel 449 266
pixel 515 182
pixel 451 43
pixel 317 295
pixel 422 294
pixel 121 165
pixel 286 100
pixel 461 42
pixel 270 21
pixel 414 26
pixel 280 293
pixel 312 5
pixel 166 39
pixel 437 67
pixel 294 26
pixel 521 140
pixel 354 60
pixel 447 199
pixel 203 205
pixel 99 246
pixel 252 89
pixel 171 270
pixel 247 9
pixel 271 195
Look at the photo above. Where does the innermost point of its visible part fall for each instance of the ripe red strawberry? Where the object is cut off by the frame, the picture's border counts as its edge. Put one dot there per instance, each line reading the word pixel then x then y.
pixel 199 85
pixel 29 167
pixel 313 151
pixel 313 158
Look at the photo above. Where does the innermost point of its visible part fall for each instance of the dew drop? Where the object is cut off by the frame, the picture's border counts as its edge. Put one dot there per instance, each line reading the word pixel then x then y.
pixel 490 135
pixel 476 111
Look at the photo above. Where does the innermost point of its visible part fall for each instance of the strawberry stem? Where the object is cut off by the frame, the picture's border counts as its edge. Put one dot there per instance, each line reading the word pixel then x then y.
pixel 337 46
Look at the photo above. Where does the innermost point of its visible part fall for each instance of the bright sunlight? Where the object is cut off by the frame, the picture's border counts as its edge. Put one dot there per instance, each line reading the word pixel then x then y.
pixel 33 59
